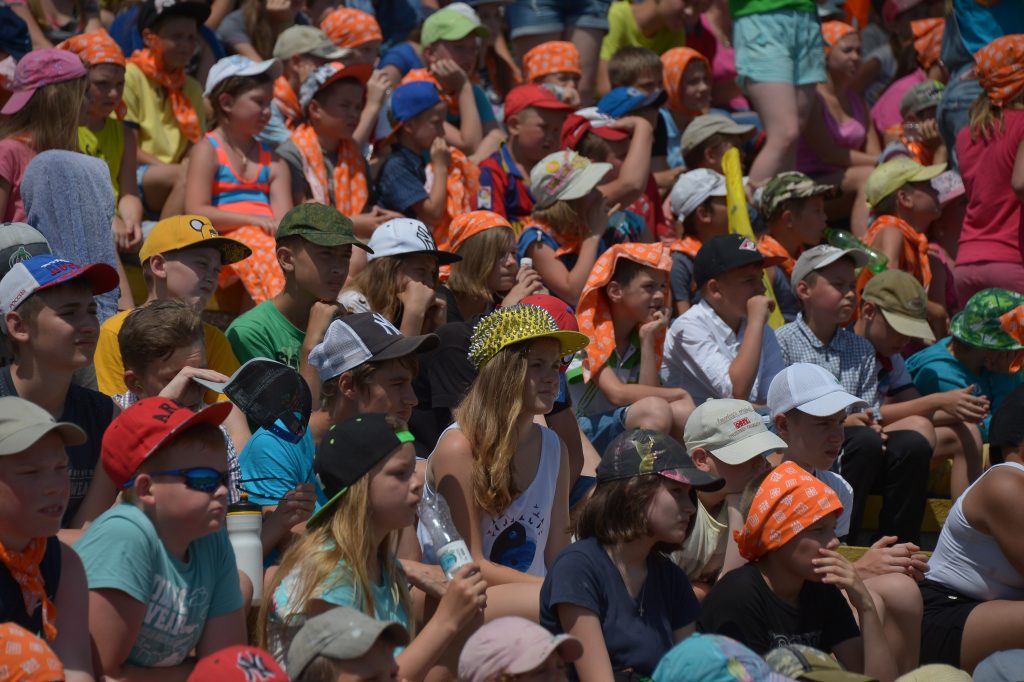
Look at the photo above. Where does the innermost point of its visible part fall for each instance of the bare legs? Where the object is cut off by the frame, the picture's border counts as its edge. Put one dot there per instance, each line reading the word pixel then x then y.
pixel 784 109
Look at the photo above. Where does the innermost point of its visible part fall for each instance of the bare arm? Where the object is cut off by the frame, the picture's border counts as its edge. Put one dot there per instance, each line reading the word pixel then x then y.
pixel 584 625
pixel 5 188
pixel 1017 179
pixel 376 90
pixel 280 188
pixel 632 178
pixel 559 534
pixel 72 645
pixel 199 191
pixel 431 209
pixel 743 370
pixel 565 425
pixel 736 521
pixel 889 241
pixel 222 631
pixel 39 38
pixel 564 283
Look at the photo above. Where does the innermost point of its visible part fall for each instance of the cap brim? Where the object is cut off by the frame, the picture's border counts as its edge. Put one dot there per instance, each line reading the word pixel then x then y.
pixel 329 239
pixel 322 511
pixel 407 345
pixel 567 645
pixel 701 480
pixel 927 173
pixel 17 101
pixel 589 178
pixel 443 257
pixel 101 276
pixel 914 327
pixel 195 10
pixel 360 72
pixel 748 448
pixel 333 53
pixel 231 250
pixel 25 438
pixel 831 403
pixel 609 133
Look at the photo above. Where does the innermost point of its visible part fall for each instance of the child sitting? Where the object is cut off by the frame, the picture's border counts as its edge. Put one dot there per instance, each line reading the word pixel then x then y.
pixel 697 204
pixel 244 201
pixel 108 138
pixel 687 81
pixel 622 308
pixel 723 347
pixel 41 114
pixel 614 589
pixel 706 140
pixel 344 642
pixel 42 578
pixel 163 551
pixel 355 31
pixel 555 63
pixel 50 325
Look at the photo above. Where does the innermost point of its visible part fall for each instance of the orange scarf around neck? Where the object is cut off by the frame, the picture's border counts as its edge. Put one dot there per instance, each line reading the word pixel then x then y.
pixel 24 568
pixel 150 61
pixel 350 188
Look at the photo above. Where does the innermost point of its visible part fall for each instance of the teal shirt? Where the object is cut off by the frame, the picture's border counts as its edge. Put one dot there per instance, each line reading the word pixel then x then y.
pixel 121 551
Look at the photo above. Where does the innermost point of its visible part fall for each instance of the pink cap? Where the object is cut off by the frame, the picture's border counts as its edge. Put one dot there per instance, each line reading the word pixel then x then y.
pixel 38 68
pixel 513 646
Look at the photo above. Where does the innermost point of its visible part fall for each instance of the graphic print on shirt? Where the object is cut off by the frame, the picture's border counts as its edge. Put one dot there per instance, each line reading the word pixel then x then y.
pixel 516 539
pixel 174 619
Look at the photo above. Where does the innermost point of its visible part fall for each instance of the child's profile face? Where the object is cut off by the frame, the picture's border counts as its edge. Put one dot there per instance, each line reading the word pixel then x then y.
pixel 696 86
pixel 177 38
pixel 66 329
pixel 922 201
pixel 418 267
pixel 737 286
pixel 389 390
pixel 886 340
pixel 321 270
pixel 809 220
pixel 191 274
pixel 503 274
pixel 249 111
pixel 34 489
pixel 567 80
pixel 336 111
pixel 395 490
pixel 833 294
pixel 814 442
pixel 537 133
pixel 737 476
pixel 715 214
pixel 1003 361
pixel 642 296
pixel 463 52
pixel 543 364
pixel 844 57
pixel 428 126
pixel 162 372
pixel 106 85
pixel 669 512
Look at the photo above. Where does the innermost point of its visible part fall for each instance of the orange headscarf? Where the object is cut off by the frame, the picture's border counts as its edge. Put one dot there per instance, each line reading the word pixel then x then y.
pixel 788 501
pixel 834 31
pixel 351 191
pixel 1013 323
pixel 593 311
pixel 463 183
pixel 556 56
pixel 913 253
pixel 928 40
pixel 95 48
pixel 24 568
pixel 347 27
pixel 287 101
pixel 674 63
pixel 151 62
pixel 26 658
pixel 416 75
pixel 1000 68
pixel 687 245
pixel 470 224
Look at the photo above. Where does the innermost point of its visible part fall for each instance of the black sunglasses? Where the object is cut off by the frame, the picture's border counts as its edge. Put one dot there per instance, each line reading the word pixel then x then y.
pixel 203 479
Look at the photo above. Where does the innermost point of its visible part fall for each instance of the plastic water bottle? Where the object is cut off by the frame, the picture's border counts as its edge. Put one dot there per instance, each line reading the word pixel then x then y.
pixel 841 239
pixel 245 520
pixel 449 547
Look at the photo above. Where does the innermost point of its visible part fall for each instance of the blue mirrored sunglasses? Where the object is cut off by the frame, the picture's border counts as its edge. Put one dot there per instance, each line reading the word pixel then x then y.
pixel 203 479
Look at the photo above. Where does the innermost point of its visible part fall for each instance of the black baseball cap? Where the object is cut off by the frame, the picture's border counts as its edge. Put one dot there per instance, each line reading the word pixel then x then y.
pixel 154 10
pixel 727 252
pixel 349 450
pixel 269 392
pixel 640 452
pixel 364 337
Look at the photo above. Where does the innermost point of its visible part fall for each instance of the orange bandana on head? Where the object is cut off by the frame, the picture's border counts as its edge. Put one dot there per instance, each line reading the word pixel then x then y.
pixel 470 224
pixel 26 658
pixel 24 568
pixel 151 62
pixel 556 56
pixel 463 183
pixel 351 191
pixel 95 48
pixel 593 312
pixel 287 101
pixel 833 32
pixel 789 500
pixel 1000 69
pixel 928 40
pixel 347 27
pixel 1013 323
pixel 674 63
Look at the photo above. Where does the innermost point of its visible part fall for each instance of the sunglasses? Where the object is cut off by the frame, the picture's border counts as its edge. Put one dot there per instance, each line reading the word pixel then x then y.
pixel 203 479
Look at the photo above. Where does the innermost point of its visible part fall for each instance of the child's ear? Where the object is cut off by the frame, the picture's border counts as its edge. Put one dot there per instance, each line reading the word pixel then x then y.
pixel 158 266
pixel 285 258
pixel 703 214
pixel 226 101
pixel 346 388
pixel 131 380
pixel 143 487
pixel 903 197
pixel 802 290
pixel 782 426
pixel 313 109
pixel 614 291
pixel 17 328
pixel 701 459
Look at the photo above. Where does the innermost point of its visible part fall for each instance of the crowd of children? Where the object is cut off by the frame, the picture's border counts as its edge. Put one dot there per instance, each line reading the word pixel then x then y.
pixel 511 339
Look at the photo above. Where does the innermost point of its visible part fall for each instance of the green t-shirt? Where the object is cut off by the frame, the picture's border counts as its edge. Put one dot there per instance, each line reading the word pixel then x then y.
pixel 742 8
pixel 624 32
pixel 264 332
pixel 122 551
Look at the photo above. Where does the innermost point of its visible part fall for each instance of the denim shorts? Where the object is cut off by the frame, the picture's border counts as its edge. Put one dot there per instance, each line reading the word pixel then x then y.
pixel 602 428
pixel 784 46
pixel 537 17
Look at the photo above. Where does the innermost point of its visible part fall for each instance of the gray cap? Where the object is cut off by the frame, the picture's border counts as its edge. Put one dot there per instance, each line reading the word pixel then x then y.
pixel 307 40
pixel 694 188
pixel 818 257
pixel 23 423
pixel 19 242
pixel 703 127
pixel 341 633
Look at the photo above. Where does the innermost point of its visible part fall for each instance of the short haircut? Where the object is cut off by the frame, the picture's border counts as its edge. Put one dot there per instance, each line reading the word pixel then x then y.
pixel 617 511
pixel 689 220
pixel 626 270
pixel 154 331
pixel 30 308
pixel 629 63
pixel 362 375
pixel 695 157
pixel 594 147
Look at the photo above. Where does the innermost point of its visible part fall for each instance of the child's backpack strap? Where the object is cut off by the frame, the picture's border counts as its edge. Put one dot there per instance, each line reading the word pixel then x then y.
pixel 12 604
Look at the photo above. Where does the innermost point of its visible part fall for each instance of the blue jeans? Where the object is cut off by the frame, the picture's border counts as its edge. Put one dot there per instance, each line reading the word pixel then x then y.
pixel 537 17
pixel 954 113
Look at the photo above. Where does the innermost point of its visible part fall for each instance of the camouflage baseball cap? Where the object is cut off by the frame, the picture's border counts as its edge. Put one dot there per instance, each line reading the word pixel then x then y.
pixel 791 185
pixel 319 224
pixel 978 323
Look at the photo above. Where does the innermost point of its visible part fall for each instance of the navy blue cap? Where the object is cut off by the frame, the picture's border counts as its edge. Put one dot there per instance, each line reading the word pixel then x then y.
pixel 14 38
pixel 621 102
pixel 412 99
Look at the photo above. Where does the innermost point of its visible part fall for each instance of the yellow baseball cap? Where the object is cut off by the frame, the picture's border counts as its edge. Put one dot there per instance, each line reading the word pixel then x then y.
pixel 891 175
pixel 183 231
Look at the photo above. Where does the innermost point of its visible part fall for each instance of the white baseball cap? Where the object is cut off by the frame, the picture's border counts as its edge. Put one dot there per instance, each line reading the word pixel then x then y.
pixel 821 256
pixel 404 236
pixel 237 65
pixel 812 389
pixel 693 189
pixel 730 430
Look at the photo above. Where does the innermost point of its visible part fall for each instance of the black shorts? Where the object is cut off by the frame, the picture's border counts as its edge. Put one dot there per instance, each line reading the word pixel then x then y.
pixel 942 628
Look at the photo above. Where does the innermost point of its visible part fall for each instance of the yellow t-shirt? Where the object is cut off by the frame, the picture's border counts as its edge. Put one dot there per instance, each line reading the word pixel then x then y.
pixel 110 369
pixel 149 106
pixel 624 32
pixel 108 145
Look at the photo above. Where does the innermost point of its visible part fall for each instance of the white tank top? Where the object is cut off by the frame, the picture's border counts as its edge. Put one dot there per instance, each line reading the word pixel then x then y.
pixel 971 562
pixel 517 537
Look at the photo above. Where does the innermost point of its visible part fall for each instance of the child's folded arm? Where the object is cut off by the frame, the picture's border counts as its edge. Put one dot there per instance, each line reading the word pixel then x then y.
pixel 564 283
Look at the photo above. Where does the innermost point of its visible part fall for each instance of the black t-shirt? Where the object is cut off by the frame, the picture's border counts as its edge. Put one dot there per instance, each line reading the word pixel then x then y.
pixel 660 142
pixel 12 603
pixel 742 606
pixel 90 410
pixel 637 631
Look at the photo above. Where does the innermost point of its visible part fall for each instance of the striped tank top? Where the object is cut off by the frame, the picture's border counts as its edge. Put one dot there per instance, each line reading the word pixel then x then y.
pixel 232 193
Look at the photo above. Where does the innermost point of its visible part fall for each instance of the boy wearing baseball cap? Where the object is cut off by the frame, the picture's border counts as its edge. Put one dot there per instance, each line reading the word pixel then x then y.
pixel 50 326
pixel 181 259
pixel 697 204
pixel 343 644
pixel 708 137
pixel 723 347
pixel 161 572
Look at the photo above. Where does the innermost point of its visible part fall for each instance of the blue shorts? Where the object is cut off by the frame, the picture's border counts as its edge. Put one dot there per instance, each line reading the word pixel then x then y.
pixel 784 46
pixel 602 428
pixel 537 17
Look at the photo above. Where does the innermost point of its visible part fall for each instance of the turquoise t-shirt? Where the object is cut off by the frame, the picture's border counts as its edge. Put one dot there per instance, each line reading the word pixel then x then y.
pixel 121 551
pixel 280 465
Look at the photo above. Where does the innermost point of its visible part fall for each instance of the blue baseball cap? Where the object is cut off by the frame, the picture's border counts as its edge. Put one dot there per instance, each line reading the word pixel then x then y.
pixel 45 271
pixel 412 99
pixel 713 658
pixel 621 102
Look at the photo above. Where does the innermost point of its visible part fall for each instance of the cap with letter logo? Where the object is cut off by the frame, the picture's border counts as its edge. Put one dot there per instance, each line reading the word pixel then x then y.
pixel 363 337
pixel 42 272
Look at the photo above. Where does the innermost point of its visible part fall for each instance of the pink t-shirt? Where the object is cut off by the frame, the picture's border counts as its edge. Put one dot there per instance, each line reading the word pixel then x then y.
pixel 14 159
pixel 886 112
pixel 993 228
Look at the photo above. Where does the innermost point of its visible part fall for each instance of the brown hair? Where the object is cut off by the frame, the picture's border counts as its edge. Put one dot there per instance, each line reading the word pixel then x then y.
pixel 594 147
pixel 562 217
pixel 234 87
pixel 695 157
pixel 479 254
pixel 626 270
pixel 361 376
pixel 257 26
pixel 154 331
pixel 49 120
pixel 617 511
pixel 630 62
pixel 986 118
pixel 379 282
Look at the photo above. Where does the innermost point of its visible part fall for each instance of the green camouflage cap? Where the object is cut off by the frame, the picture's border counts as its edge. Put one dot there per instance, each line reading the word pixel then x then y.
pixel 978 323
pixel 319 224
pixel 791 185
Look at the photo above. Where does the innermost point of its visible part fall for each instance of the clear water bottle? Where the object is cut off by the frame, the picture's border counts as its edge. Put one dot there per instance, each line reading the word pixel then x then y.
pixel 245 521
pixel 841 239
pixel 449 547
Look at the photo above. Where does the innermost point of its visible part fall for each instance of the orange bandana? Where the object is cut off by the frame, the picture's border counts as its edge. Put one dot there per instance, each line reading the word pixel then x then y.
pixel 913 253
pixel 24 568
pixel 463 183
pixel 687 245
pixel 770 247
pixel 350 188
pixel 555 56
pixel 416 75
pixel 1013 323
pixel 26 658
pixel 928 40
pixel 150 61
pixel 567 243
pixel 674 63
pixel 833 32
pixel 788 501
pixel 95 48
pixel 467 225
pixel 594 315
pixel 1000 68
pixel 347 27
pixel 287 101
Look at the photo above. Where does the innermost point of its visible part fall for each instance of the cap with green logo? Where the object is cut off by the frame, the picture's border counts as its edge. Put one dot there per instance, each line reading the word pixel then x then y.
pixel 319 224
pixel 902 300
pixel 791 185
pixel 978 323
pixel 450 24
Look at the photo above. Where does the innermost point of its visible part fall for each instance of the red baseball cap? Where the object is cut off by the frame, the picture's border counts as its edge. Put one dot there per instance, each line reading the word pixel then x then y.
pixel 532 95
pixel 559 309
pixel 238 663
pixel 144 427
pixel 589 121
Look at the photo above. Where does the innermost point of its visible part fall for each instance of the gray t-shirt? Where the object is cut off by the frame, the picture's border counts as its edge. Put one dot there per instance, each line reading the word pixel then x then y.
pixel 232 30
